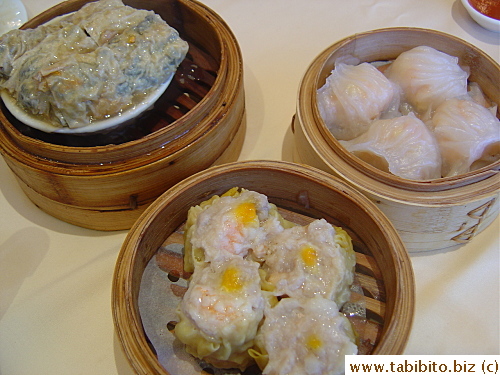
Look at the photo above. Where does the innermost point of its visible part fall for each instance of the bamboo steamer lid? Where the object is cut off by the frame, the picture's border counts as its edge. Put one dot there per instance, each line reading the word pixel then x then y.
pixel 429 215
pixel 198 122
pixel 301 193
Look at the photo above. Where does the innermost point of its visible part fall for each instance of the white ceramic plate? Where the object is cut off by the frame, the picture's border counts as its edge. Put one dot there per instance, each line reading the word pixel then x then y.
pixel 95 127
pixel 12 15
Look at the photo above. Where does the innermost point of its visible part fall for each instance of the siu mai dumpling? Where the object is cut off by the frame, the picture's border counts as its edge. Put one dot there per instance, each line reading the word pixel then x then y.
pixel 313 260
pixel 352 97
pixel 234 224
pixel 427 77
pixel 468 135
pixel 403 146
pixel 304 336
pixel 221 311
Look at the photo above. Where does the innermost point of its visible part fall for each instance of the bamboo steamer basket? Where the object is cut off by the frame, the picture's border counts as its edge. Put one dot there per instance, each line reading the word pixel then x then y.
pixel 302 193
pixel 199 121
pixel 429 215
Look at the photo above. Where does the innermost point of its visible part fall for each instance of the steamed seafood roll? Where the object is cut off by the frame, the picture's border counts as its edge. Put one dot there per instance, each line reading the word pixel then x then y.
pixel 233 224
pixel 352 97
pixel 468 135
pixel 427 77
pixel 221 311
pixel 304 337
pixel 313 260
pixel 93 64
pixel 403 146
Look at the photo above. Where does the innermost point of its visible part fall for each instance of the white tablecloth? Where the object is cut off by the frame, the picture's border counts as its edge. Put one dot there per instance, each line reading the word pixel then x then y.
pixel 55 278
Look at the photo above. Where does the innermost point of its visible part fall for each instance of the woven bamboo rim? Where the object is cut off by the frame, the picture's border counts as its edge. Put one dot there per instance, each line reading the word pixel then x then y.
pixel 382 261
pixel 367 47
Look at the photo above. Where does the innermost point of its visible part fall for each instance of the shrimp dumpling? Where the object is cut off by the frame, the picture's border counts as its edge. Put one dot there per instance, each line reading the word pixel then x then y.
pixel 313 260
pixel 221 311
pixel 352 97
pixel 403 146
pixel 468 135
pixel 304 337
pixel 427 77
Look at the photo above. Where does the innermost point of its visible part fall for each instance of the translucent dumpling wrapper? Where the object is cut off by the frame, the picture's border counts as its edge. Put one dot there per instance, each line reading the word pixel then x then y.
pixel 220 313
pixel 304 337
pixel 427 77
pixel 313 260
pixel 468 135
pixel 233 224
pixel 403 146
pixel 352 97
pixel 477 95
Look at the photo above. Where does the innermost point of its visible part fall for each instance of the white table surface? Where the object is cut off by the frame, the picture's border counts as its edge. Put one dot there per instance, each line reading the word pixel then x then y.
pixel 55 278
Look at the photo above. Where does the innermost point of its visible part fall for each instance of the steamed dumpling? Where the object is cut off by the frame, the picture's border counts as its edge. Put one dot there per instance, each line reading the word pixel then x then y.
pixel 352 97
pixel 234 224
pixel 221 311
pixel 304 337
pixel 313 260
pixel 403 146
pixel 467 133
pixel 427 77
